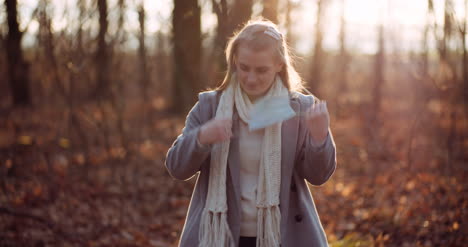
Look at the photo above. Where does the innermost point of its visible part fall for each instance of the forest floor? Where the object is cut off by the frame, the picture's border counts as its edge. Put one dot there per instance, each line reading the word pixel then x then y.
pixel 54 192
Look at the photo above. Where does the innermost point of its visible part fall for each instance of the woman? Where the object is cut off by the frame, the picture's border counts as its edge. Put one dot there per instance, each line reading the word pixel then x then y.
pixel 251 189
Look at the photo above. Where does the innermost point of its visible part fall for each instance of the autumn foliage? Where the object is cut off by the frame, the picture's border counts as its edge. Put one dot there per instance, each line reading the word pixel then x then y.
pixel 86 121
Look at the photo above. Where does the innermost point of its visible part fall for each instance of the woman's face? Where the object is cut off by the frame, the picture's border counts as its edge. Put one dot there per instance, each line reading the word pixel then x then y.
pixel 256 70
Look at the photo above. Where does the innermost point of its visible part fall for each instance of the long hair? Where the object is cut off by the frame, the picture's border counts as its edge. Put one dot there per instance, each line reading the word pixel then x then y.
pixel 253 35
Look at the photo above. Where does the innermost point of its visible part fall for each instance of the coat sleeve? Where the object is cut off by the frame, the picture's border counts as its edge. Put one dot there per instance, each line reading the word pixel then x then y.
pixel 316 163
pixel 186 156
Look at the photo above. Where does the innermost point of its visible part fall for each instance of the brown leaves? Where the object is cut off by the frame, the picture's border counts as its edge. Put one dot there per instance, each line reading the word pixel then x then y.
pixel 112 194
pixel 396 210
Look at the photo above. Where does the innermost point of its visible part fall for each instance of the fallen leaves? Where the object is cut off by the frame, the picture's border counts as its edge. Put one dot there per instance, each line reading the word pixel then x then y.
pixel 117 195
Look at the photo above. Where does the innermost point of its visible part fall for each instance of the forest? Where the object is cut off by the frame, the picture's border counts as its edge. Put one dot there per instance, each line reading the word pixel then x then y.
pixel 94 92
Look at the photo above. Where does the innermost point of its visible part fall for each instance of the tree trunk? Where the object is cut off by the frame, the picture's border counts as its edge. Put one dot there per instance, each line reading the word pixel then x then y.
pixel 465 59
pixel 270 10
pixel 162 63
pixel 102 54
pixel 230 18
pixel 447 29
pixel 290 7
pixel 18 68
pixel 187 54
pixel 318 58
pixel 241 12
pixel 425 53
pixel 144 75
pixel 221 10
pixel 122 11
pixel 454 96
pixel 378 77
pixel 46 43
pixel 343 59
pixel 81 5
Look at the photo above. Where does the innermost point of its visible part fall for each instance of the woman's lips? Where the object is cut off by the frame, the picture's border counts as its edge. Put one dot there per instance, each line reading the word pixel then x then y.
pixel 251 87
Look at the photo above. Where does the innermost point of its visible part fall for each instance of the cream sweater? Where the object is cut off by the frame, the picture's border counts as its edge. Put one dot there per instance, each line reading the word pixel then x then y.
pixel 250 148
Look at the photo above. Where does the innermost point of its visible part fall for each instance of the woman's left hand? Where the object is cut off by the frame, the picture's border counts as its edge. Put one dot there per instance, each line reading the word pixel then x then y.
pixel 318 120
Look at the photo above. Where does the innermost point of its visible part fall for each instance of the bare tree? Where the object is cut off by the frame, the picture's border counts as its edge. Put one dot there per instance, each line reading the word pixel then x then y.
pixel 343 58
pixel 122 11
pixel 161 62
pixel 241 12
pixel 463 33
pixel 230 17
pixel 448 23
pixel 372 124
pixel 102 53
pixel 221 10
pixel 187 53
pixel 378 80
pixel 270 10
pixel 319 56
pixel 144 74
pixel 425 49
pixel 18 68
pixel 449 92
pixel 46 44
pixel 82 12
pixel 290 7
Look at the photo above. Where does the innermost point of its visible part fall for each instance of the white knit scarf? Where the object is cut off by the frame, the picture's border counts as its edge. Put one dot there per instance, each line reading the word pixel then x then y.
pixel 214 228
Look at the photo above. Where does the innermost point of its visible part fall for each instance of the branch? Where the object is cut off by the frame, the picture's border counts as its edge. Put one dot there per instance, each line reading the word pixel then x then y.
pixel 216 8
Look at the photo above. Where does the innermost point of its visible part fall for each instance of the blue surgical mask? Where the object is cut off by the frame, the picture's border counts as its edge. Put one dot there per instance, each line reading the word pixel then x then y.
pixel 270 110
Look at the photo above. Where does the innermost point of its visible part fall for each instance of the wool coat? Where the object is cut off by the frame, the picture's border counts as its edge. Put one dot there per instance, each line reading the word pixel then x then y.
pixel 301 161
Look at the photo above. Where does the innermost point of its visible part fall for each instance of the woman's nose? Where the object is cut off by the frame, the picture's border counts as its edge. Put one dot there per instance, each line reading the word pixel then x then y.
pixel 251 77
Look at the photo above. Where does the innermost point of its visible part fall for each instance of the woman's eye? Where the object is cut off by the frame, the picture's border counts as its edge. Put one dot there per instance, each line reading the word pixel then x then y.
pixel 261 71
pixel 244 68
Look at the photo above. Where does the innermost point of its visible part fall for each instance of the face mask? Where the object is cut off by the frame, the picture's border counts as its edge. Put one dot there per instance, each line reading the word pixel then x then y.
pixel 271 110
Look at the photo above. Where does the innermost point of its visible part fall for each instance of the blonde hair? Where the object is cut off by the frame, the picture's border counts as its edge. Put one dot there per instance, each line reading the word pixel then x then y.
pixel 259 35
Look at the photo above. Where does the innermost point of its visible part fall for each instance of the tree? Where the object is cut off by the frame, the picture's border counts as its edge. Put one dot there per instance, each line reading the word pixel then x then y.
pixel 372 124
pixel 270 10
pixel 240 13
pixel 102 53
pixel 81 5
pixel 18 68
pixel 463 33
pixel 290 7
pixel 144 73
pixel 446 88
pixel 343 57
pixel 378 81
pixel 318 57
pixel 46 45
pixel 187 53
pixel 230 18
pixel 221 10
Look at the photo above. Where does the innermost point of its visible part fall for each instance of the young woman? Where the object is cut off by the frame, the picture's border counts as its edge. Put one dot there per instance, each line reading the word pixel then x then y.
pixel 251 189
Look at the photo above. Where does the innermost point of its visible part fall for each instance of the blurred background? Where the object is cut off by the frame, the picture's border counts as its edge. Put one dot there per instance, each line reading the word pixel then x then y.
pixel 94 92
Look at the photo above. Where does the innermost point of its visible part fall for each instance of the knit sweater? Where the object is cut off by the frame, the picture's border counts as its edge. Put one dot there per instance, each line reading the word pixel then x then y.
pixel 250 148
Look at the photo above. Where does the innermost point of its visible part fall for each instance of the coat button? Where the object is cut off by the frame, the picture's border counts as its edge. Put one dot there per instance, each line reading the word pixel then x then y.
pixel 298 218
pixel 293 187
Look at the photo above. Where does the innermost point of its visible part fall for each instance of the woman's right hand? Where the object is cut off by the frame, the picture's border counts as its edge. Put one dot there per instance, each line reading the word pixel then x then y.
pixel 215 130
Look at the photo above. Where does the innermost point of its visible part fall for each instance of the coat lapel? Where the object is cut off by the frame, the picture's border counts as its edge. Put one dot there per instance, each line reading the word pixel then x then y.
pixel 233 164
pixel 289 134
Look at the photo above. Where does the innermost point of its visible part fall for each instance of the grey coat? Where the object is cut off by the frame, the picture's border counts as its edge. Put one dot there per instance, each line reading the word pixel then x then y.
pixel 301 161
